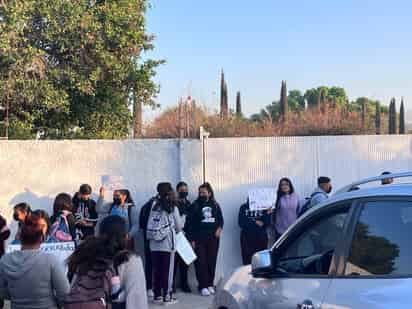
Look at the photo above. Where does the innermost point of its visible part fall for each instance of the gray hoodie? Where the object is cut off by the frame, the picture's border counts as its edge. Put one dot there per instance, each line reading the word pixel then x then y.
pixel 32 279
pixel 318 196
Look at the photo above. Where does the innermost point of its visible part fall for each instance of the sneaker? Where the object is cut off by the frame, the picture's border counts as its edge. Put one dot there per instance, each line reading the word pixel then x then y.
pixel 205 292
pixel 150 294
pixel 158 300
pixel 212 290
pixel 169 300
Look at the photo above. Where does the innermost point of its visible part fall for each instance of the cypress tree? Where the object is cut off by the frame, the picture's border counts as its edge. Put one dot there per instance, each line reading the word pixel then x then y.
pixel 238 105
pixel 402 119
pixel 284 102
pixel 378 118
pixel 223 97
pixel 363 113
pixel 392 117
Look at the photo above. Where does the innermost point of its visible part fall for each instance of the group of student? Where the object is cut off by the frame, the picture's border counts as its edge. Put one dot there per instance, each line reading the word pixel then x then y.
pixel 104 267
pixel 260 229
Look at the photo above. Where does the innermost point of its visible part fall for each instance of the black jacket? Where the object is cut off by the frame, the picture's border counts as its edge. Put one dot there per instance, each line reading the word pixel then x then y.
pixel 145 213
pixel 85 210
pixel 204 220
pixel 247 221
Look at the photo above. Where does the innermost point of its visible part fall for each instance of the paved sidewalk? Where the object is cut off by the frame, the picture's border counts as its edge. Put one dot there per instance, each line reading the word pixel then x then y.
pixel 188 301
pixel 185 301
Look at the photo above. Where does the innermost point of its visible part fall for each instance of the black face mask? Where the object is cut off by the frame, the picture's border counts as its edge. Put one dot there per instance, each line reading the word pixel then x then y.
pixel 16 217
pixel 203 199
pixel 183 195
pixel 117 200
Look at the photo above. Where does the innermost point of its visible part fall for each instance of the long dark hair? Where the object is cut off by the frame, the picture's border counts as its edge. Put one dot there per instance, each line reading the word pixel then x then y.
pixel 41 214
pixel 209 189
pixel 63 201
pixel 280 193
pixel 129 199
pixel 96 252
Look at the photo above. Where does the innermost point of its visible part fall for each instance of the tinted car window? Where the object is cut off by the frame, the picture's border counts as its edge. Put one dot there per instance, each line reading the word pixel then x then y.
pixel 312 251
pixel 382 242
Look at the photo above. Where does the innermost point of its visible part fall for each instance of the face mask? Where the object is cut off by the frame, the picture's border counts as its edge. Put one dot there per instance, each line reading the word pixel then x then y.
pixel 203 199
pixel 183 195
pixel 117 200
pixel 16 217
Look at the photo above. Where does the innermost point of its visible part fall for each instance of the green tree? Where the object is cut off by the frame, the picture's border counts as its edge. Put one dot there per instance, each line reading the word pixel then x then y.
pixel 402 118
pixel 284 108
pixel 392 117
pixel 296 100
pixel 73 68
pixel 238 105
pixel 378 118
pixel 224 105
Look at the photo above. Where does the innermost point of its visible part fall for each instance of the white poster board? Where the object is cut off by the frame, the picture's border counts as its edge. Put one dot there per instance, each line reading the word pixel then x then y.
pixel 112 183
pixel 184 249
pixel 262 198
pixel 62 250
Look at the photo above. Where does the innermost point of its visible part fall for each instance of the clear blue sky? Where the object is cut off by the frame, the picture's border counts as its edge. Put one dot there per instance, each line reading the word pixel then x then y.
pixel 364 46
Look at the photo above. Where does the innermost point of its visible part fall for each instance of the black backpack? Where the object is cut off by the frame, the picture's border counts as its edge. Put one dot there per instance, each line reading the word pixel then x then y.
pixel 306 206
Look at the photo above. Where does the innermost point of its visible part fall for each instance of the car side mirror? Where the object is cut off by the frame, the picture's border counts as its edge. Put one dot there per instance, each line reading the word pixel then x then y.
pixel 262 263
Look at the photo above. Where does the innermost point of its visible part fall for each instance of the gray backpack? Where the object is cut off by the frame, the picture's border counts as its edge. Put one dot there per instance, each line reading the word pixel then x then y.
pixel 158 225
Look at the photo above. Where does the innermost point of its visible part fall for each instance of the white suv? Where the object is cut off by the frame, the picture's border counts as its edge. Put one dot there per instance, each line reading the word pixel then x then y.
pixel 353 251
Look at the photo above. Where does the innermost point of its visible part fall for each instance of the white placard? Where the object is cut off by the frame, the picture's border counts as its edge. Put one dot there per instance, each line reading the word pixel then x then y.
pixel 112 183
pixel 262 198
pixel 184 249
pixel 62 250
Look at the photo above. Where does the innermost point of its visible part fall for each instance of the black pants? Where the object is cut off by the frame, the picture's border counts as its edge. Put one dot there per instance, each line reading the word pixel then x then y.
pixel 206 251
pixel 148 265
pixel 250 245
pixel 182 268
pixel 163 266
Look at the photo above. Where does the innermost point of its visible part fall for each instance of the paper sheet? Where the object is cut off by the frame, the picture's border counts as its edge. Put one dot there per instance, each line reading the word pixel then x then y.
pixel 184 249
pixel 262 198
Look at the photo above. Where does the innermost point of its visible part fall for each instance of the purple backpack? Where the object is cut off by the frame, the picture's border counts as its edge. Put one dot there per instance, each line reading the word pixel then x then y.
pixel 91 290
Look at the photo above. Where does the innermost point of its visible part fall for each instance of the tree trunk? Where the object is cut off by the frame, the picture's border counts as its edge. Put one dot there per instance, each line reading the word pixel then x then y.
pixel 138 117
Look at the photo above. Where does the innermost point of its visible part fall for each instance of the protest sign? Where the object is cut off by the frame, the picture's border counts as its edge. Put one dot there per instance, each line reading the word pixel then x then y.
pixel 184 249
pixel 262 198
pixel 112 183
pixel 61 250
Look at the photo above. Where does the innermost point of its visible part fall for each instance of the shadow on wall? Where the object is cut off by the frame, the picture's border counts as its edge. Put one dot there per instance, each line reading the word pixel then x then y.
pixel 34 200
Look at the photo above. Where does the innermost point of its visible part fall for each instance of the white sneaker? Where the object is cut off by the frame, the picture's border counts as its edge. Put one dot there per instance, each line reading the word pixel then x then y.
pixel 150 294
pixel 205 292
pixel 211 290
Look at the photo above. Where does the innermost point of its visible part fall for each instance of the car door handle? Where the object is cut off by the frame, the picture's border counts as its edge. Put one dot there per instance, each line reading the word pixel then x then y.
pixel 306 304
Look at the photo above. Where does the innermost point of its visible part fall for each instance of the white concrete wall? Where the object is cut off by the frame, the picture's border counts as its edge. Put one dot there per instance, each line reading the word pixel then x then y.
pixel 35 171
pixel 236 164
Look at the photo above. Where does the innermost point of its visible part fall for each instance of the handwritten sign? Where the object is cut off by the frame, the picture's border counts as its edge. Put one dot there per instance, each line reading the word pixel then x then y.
pixel 262 198
pixel 112 183
pixel 61 250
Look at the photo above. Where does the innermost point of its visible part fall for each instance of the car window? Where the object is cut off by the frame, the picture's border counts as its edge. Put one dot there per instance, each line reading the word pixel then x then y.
pixel 382 241
pixel 311 252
